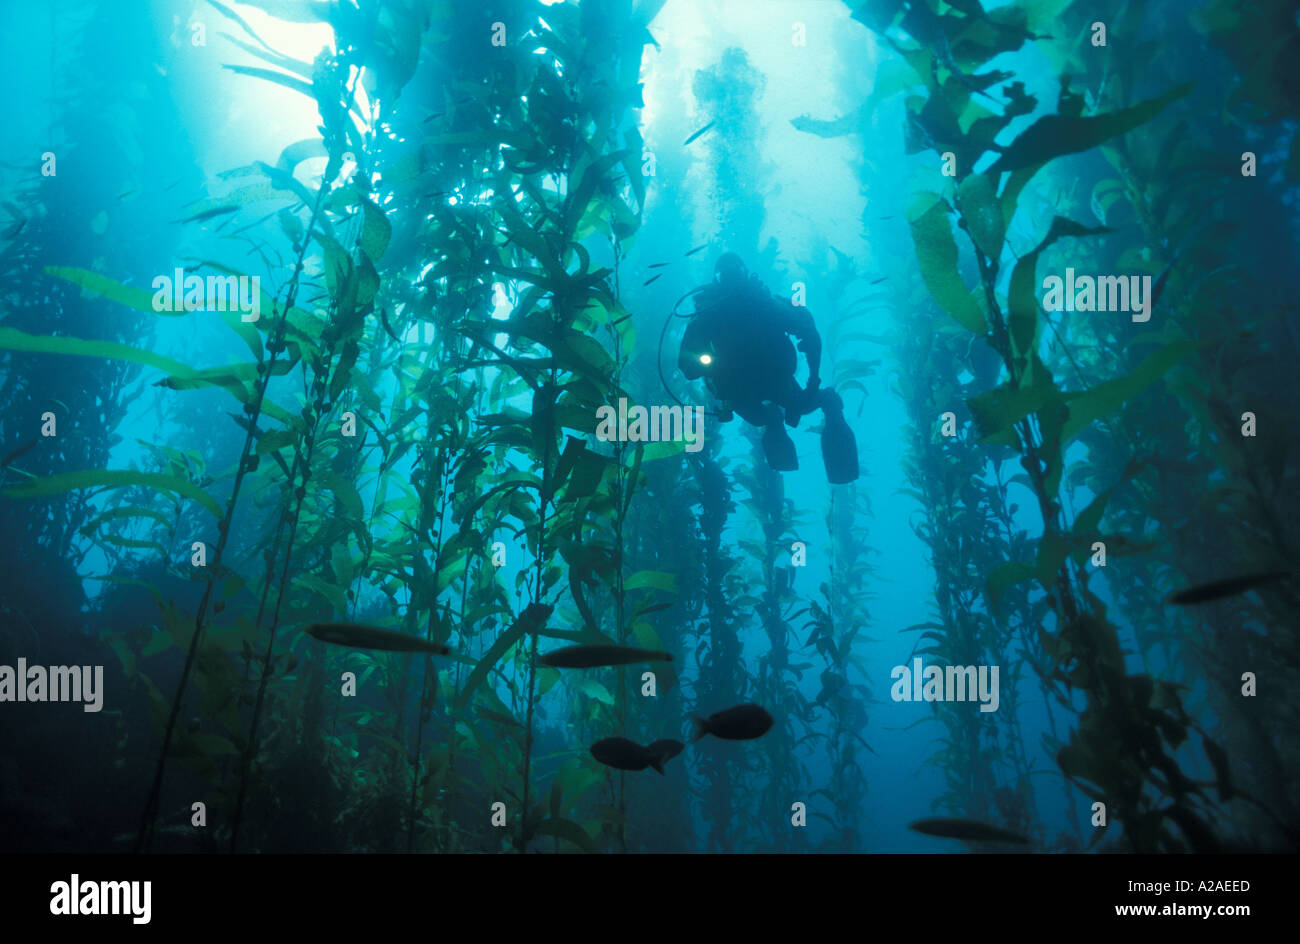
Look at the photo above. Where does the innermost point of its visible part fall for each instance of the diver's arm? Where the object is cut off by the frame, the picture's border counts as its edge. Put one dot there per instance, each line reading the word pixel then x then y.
pixel 810 342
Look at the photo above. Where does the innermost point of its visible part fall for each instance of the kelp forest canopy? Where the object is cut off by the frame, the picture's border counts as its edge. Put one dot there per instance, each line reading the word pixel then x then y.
pixel 327 327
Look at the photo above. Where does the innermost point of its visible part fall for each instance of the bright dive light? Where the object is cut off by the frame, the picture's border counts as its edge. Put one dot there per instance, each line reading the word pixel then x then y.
pixel 706 359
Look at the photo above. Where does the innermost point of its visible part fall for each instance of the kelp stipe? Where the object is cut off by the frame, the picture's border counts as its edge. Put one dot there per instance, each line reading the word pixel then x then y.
pixel 1028 413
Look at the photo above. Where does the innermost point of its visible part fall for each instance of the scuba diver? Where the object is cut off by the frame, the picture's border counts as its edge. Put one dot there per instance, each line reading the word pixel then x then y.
pixel 737 340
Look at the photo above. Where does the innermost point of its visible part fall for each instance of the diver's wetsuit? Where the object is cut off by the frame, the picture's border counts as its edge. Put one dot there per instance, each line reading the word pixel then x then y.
pixel 739 342
pixel 743 331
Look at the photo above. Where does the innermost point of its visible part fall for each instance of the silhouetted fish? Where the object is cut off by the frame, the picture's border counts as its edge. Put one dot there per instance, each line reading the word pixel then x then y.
pixel 698 133
pixel 368 637
pixel 1218 589
pixel 19 452
pixel 967 829
pixel 653 279
pixel 622 754
pixel 588 657
pixel 698 249
pixel 666 749
pixel 741 723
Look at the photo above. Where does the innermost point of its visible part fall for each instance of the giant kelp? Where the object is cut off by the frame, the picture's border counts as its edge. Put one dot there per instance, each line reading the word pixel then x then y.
pixel 951 112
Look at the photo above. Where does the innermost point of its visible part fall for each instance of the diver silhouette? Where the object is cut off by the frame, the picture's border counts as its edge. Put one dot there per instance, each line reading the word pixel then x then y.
pixel 738 342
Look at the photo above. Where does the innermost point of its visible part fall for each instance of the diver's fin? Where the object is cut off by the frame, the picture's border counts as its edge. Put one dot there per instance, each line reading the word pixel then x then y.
pixel 779 448
pixel 839 445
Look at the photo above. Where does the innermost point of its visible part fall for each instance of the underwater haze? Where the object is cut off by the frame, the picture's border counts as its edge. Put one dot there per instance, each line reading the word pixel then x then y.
pixel 631 426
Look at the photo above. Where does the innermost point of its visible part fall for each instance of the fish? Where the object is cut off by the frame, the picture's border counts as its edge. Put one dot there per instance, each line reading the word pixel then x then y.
pixel 19 452
pixel 1218 589
pixel 622 754
pixel 698 133
pixel 208 214
pixel 881 279
pixel 657 265
pixel 698 249
pixel 368 637
pixel 654 279
pixel 967 829
pixel 666 749
pixel 590 657
pixel 741 723
pixel 383 316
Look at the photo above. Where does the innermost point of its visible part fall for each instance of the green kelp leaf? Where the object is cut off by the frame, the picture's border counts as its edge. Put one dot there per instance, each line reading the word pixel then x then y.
pixel 1088 521
pixel 1023 318
pixel 234 200
pixel 113 478
pixel 1054 135
pixel 593 689
pixel 294 11
pixel 345 491
pixel 1053 549
pixel 532 242
pixel 936 252
pixel 1040 14
pixel 592 175
pixel 978 202
pixel 1016 183
pixel 134 544
pixel 232 378
pixel 574 447
pixel 138 298
pixel 997 411
pixel 588 470
pixel 279 78
pixel 376 232
pixel 142 300
pixel 1005 576
pixel 286 181
pixel 546 679
pixel 287 63
pixel 300 151
pixel 657 579
pixel 129 511
pixel 569 831
pixel 530 620
pixel 632 165
pixel 1105 398
pixel 234 319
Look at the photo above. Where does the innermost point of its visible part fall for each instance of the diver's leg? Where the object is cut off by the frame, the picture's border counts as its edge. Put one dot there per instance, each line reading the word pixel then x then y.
pixel 778 447
pixel 795 402
pixel 839 445
pixel 777 444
